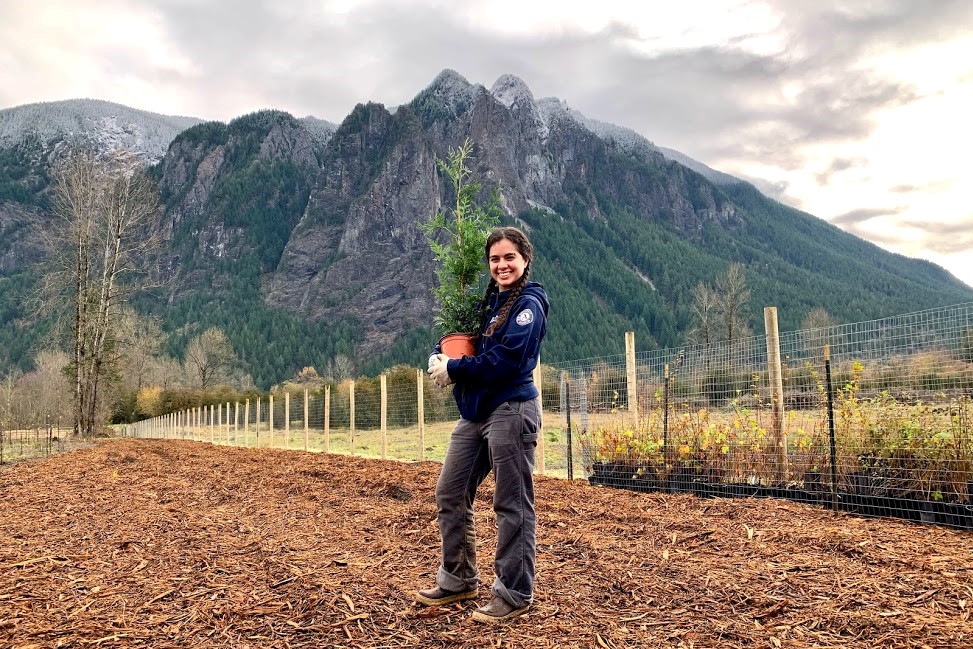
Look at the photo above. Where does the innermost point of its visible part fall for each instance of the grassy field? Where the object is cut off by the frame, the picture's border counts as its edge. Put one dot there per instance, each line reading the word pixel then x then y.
pixel 401 443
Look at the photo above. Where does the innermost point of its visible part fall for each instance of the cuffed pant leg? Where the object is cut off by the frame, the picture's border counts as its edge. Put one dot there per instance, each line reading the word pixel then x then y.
pixel 466 465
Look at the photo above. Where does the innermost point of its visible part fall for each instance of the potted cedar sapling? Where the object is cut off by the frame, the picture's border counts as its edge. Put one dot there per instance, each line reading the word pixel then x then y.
pixel 457 237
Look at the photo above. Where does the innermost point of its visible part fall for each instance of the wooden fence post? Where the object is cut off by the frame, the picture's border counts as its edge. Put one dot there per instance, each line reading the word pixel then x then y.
pixel 777 392
pixel 421 416
pixel 212 424
pixel 351 417
pixel 306 424
pixel 287 420
pixel 246 423
pixel 256 426
pixel 540 464
pixel 327 419
pixel 384 417
pixel 270 422
pixel 633 399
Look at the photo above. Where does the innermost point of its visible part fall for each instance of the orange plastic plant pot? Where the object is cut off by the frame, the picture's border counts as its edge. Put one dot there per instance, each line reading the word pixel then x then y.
pixel 457 345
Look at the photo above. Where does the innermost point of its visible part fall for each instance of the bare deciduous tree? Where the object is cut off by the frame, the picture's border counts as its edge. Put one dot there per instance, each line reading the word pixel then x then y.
pixel 54 389
pixel 734 299
pixel 106 204
pixel 340 368
pixel 209 358
pixel 165 372
pixel 818 318
pixel 814 328
pixel 705 310
pixel 8 391
pixel 140 340
pixel 720 312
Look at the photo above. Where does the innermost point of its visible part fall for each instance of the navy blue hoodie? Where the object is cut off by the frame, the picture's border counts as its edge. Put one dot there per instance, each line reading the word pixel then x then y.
pixel 502 367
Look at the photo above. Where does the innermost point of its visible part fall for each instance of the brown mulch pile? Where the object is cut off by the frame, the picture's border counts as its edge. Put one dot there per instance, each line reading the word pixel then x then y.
pixel 148 543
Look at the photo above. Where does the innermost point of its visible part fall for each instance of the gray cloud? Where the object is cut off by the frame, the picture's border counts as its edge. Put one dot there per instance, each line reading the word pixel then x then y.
pixel 855 217
pixel 904 189
pixel 925 188
pixel 945 237
pixel 712 103
pixel 776 190
pixel 942 237
pixel 837 166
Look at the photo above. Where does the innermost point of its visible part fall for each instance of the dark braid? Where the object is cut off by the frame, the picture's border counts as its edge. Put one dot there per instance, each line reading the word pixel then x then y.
pixel 526 250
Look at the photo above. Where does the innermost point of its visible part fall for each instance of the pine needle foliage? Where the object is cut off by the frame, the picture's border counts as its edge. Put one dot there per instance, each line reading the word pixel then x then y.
pixel 457 237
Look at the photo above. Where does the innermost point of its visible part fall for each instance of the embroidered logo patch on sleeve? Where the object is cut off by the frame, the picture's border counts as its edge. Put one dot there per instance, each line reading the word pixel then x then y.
pixel 525 317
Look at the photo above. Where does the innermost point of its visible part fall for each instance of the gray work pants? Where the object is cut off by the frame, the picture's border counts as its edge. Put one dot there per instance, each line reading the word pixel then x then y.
pixel 505 442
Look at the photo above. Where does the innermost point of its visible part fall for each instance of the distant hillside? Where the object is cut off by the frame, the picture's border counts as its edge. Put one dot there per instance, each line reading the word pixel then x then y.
pixel 91 121
pixel 301 239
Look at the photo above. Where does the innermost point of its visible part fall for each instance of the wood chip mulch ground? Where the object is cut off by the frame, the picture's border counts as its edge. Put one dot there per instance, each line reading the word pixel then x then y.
pixel 150 543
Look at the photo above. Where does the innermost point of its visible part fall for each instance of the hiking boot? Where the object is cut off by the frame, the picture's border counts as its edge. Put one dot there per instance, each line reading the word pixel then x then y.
pixel 498 610
pixel 438 596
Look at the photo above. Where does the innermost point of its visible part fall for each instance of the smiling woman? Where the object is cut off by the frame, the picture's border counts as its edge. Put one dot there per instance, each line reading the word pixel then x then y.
pixel 506 264
pixel 499 424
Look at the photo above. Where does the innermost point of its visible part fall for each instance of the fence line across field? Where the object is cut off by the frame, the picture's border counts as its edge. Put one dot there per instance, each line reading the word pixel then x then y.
pixel 751 410
pixel 873 414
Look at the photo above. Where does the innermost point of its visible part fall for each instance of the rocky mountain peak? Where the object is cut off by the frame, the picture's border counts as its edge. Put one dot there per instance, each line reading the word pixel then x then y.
pixel 512 92
pixel 451 86
pixel 448 96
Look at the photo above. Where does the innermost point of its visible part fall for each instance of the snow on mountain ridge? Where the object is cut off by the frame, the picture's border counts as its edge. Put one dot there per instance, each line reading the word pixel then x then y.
pixel 625 138
pixel 105 124
pixel 321 130
pixel 553 109
pixel 714 176
pixel 510 90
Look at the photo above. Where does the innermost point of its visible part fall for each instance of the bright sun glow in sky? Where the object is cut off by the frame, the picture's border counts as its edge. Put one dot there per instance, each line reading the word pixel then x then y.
pixel 855 112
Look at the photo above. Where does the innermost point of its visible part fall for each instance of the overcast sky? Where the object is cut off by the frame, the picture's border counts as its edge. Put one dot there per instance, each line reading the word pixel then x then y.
pixel 856 111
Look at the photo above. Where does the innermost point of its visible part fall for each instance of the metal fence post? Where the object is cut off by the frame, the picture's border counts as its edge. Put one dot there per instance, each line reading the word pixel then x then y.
pixel 834 452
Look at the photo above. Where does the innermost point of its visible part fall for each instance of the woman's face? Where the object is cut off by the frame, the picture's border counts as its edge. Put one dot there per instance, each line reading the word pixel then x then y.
pixel 506 264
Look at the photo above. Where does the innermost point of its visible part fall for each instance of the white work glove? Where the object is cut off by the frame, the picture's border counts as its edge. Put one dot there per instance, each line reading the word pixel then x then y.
pixel 438 371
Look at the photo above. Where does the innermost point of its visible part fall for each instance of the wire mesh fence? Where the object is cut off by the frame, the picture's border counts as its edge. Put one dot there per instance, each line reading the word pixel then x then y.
pixel 873 417
pixel 29 439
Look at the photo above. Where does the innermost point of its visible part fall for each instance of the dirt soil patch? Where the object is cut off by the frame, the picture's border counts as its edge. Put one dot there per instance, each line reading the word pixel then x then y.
pixel 149 543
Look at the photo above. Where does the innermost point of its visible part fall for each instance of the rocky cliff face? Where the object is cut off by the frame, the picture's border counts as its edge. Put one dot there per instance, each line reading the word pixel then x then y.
pixel 21 245
pixel 357 249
